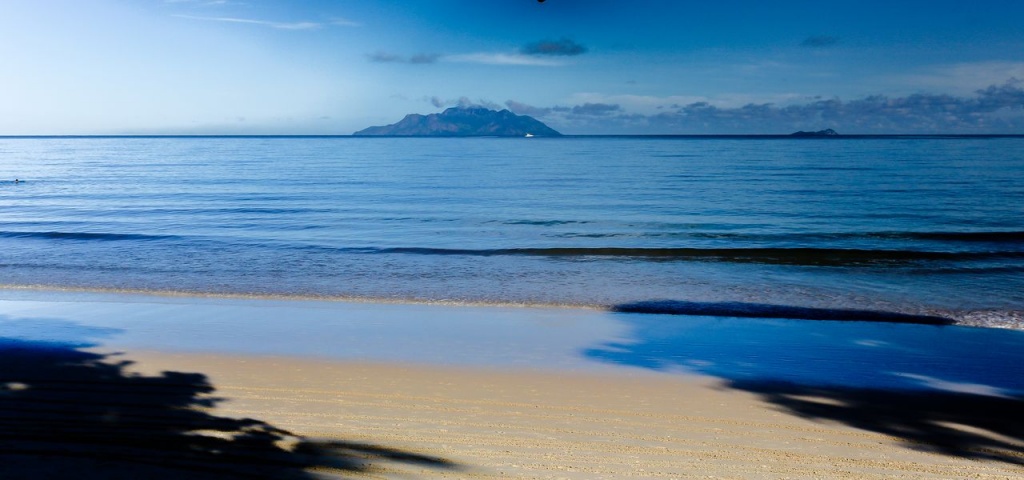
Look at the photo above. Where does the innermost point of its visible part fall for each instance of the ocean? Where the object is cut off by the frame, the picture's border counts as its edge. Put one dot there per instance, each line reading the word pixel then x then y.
pixel 903 224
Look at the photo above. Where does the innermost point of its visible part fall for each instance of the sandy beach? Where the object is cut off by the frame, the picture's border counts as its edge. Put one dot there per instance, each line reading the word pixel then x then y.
pixel 514 424
pixel 87 393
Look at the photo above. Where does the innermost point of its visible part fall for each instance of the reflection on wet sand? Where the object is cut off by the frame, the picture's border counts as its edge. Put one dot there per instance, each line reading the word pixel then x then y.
pixel 951 390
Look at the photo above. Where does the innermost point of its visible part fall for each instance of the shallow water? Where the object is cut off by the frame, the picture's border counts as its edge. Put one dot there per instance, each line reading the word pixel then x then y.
pixel 903 224
pixel 810 353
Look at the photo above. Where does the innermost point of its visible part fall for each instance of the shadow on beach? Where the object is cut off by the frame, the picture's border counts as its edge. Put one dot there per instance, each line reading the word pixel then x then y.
pixel 945 389
pixel 69 413
pixel 951 423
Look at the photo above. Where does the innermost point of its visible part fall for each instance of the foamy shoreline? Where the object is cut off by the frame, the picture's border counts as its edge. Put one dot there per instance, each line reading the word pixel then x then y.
pixel 984 318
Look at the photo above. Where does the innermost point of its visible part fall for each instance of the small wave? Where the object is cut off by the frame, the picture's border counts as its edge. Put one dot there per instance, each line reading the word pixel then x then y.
pixel 545 223
pixel 784 256
pixel 968 270
pixel 87 236
pixel 954 237
pixel 596 235
pixel 758 310
pixel 272 211
pixel 951 236
pixel 1013 236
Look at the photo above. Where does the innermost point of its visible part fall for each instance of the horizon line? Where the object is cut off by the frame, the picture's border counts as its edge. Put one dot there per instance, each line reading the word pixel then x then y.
pixel 606 135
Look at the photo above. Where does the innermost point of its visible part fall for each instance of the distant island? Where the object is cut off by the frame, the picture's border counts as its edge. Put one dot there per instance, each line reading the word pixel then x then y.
pixel 828 132
pixel 464 122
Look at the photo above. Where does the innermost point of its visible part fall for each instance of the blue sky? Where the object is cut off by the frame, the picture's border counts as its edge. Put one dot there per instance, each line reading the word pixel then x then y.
pixel 582 66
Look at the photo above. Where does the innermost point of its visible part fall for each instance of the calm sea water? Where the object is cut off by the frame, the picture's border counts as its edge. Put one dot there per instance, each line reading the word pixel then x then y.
pixel 880 223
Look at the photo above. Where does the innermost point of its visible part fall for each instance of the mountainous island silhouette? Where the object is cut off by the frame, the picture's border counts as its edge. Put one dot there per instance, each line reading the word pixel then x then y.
pixel 464 122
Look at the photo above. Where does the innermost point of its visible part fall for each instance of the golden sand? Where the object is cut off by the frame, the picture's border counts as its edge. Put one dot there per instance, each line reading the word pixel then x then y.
pixel 519 424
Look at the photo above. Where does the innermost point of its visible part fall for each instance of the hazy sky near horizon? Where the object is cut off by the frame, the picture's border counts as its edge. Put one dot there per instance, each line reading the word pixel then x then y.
pixel 582 66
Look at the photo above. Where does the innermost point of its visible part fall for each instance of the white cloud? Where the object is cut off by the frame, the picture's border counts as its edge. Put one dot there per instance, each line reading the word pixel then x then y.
pixel 382 56
pixel 478 58
pixel 962 78
pixel 201 2
pixel 266 23
pixel 646 104
pixel 344 22
pixel 502 59
pixel 997 108
pixel 650 104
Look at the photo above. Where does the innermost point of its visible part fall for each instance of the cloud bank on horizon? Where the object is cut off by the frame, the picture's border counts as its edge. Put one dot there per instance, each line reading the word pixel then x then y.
pixel 582 66
pixel 995 109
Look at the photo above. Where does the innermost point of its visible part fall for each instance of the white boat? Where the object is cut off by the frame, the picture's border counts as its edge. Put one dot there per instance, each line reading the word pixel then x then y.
pixel 529 135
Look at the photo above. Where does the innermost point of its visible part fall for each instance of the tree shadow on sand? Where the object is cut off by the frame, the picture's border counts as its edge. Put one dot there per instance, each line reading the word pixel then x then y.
pixel 949 390
pixel 65 413
pixel 951 423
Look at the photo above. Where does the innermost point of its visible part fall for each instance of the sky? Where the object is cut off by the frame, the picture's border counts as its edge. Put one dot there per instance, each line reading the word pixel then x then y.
pixel 72 67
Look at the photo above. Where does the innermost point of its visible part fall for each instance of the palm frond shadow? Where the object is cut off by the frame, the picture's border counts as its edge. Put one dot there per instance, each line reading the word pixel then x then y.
pixel 957 424
pixel 68 412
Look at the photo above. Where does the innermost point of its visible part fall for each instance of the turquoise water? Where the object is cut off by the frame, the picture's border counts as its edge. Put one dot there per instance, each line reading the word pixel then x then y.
pixel 876 223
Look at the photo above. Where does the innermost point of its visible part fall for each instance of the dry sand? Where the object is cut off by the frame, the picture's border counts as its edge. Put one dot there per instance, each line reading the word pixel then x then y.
pixel 479 423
